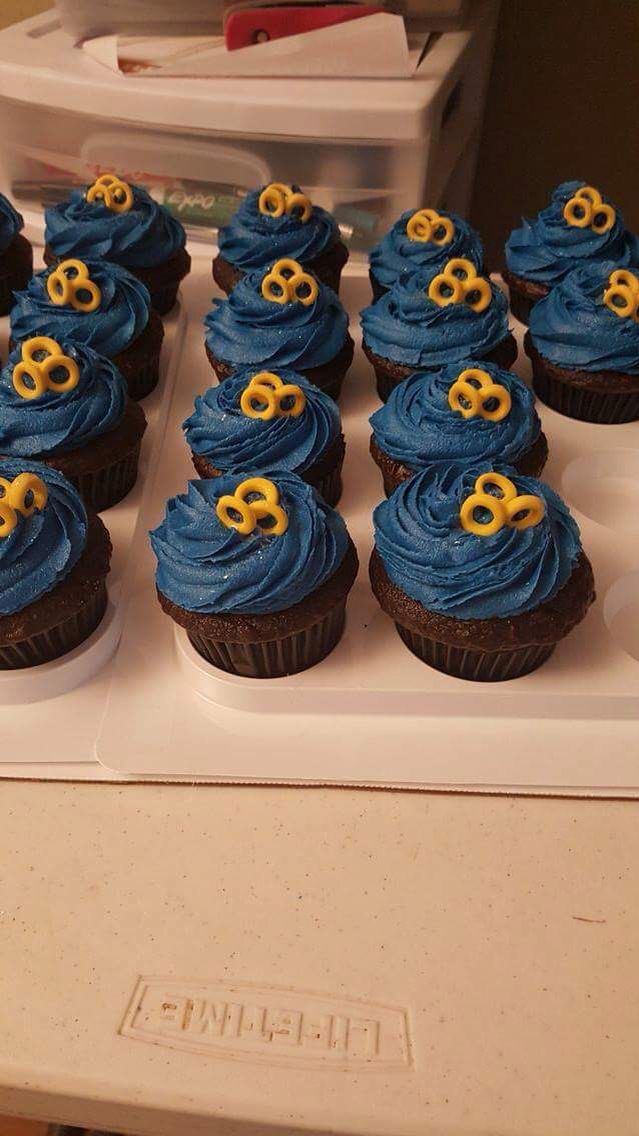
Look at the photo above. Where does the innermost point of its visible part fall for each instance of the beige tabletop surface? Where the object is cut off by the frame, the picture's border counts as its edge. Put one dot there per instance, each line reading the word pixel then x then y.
pixel 324 960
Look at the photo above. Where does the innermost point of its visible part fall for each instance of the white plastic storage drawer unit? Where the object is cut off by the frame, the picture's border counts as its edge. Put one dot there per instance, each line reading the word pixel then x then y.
pixel 366 149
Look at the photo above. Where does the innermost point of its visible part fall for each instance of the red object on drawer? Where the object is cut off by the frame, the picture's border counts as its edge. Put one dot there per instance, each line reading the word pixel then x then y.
pixel 257 25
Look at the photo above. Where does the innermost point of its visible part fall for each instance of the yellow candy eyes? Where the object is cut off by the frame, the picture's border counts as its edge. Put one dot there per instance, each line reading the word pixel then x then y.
pixel 496 503
pixel 622 294
pixel 23 495
pixel 263 512
pixel 32 376
pixel 266 397
pixel 71 284
pixel 460 283
pixel 277 199
pixel 587 209
pixel 475 393
pixel 287 283
pixel 427 226
pixel 112 192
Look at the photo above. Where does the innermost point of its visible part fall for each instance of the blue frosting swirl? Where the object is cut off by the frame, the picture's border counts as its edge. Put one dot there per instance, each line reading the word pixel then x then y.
pixel 254 240
pixel 219 430
pixel 573 327
pixel 205 567
pixel 248 330
pixel 547 248
pixel 409 328
pixel 144 236
pixel 431 558
pixel 396 256
pixel 121 317
pixel 43 548
pixel 11 223
pixel 58 421
pixel 417 426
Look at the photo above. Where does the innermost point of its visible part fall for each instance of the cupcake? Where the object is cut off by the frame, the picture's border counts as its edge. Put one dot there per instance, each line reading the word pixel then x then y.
pixel 283 318
pixel 101 305
pixel 256 568
pixel 54 560
pixel 434 319
pixel 279 221
pixel 579 226
pixel 468 412
pixel 62 404
pixel 482 571
pixel 16 255
pixel 268 421
pixel 422 239
pixel 583 343
pixel 111 220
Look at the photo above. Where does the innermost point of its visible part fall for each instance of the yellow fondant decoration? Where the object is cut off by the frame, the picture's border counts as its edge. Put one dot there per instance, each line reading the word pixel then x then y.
pixel 287 283
pixel 426 225
pixel 460 283
pixel 474 390
pixel 277 199
pixel 587 209
pixel 40 371
pixel 68 283
pixel 622 294
pixel 109 189
pixel 24 495
pixel 266 397
pixel 504 508
pixel 264 506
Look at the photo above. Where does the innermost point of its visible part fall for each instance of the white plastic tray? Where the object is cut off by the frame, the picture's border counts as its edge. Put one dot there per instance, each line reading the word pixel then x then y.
pixel 371 713
pixel 51 713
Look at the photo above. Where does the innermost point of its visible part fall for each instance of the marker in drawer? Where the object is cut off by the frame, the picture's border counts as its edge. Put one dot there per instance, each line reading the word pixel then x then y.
pixel 248 26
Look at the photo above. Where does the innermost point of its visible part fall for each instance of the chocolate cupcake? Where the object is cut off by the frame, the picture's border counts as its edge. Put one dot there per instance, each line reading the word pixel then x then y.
pixel 121 223
pixel 422 240
pixel 101 305
pixel 283 318
pixel 54 560
pixel 468 412
pixel 274 222
pixel 434 319
pixel 66 406
pixel 580 226
pixel 583 343
pixel 257 568
pixel 16 255
pixel 268 421
pixel 482 571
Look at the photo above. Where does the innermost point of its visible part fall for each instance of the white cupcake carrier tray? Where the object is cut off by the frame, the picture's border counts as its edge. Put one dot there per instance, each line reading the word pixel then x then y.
pixel 371 713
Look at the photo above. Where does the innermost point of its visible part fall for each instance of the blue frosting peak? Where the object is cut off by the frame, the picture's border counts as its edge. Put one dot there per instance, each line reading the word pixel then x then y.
pixel 248 330
pixel 219 430
pixel 431 558
pixel 573 327
pixel 396 256
pixel 43 548
pixel 11 223
pixel 121 317
pixel 144 236
pixel 547 248
pixel 203 566
pixel 59 421
pixel 409 328
pixel 254 240
pixel 418 427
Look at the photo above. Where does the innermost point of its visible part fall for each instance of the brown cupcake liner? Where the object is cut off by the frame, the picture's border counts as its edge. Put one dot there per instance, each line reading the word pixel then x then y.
pixel 275 658
pixel 583 394
pixel 389 374
pixel 16 269
pixel 476 666
pixel 325 475
pixel 101 489
pixel 524 294
pixel 44 646
pixel 329 377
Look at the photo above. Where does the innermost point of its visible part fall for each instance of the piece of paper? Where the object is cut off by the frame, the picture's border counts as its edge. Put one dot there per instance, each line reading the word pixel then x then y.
pixel 374 46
